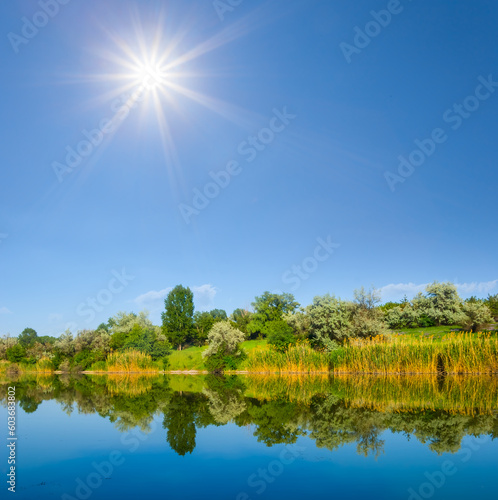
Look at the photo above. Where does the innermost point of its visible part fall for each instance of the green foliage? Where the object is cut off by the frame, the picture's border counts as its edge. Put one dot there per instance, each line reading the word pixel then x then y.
pixel 178 318
pixel 118 340
pixel 203 322
pixel 28 337
pixel 218 314
pixel 477 316
pixel 492 303
pixel 441 304
pixel 270 307
pixel 124 322
pixel 280 335
pixel 224 346
pixel 366 320
pixel 85 358
pixel 16 353
pixel 299 321
pixel 147 341
pixel 401 317
pixel 65 344
pixel 329 321
pixel 240 319
pixel 390 305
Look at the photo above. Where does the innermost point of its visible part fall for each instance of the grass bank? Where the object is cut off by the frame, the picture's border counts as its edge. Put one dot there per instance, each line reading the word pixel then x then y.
pixel 454 353
pixel 413 351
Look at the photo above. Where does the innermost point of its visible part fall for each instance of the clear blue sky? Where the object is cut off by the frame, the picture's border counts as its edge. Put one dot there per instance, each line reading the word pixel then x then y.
pixel 350 108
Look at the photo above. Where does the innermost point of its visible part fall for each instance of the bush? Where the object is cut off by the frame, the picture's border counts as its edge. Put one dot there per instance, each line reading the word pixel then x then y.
pixel 424 321
pixel 86 358
pixel 16 353
pixel 280 335
pixel 224 349
pixel 477 316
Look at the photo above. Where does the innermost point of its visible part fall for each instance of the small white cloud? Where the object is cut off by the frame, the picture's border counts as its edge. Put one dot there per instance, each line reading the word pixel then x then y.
pixel 4 310
pixel 152 300
pixel 204 296
pixel 482 287
pixel 396 292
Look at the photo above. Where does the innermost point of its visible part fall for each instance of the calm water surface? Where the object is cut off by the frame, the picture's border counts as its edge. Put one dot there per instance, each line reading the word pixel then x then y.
pixel 241 438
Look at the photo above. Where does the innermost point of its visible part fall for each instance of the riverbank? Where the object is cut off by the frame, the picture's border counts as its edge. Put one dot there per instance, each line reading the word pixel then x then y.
pixel 453 353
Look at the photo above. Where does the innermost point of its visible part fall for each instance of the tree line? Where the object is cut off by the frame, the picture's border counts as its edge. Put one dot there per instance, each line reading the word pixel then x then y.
pixel 326 323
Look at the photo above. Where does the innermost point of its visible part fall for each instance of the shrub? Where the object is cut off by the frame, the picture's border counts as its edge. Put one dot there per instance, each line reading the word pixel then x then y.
pixel 477 316
pixel 280 335
pixel 224 346
pixel 16 353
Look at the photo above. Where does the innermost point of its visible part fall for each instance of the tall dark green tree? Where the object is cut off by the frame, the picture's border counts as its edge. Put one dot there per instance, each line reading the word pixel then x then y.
pixel 178 317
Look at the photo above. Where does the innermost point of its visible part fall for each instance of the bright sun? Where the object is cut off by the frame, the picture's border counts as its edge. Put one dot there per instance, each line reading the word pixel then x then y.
pixel 150 76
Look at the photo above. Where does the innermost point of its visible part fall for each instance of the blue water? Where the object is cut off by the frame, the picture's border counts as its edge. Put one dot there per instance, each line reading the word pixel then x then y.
pixel 86 456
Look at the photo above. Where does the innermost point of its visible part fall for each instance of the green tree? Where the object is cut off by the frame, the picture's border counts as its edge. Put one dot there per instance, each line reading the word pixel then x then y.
pixel 441 303
pixel 123 322
pixel 478 316
pixel 492 303
pixel 366 320
pixel 280 335
pixel 203 322
pixel 224 346
pixel 270 307
pixel 65 344
pixel 147 341
pixel 240 319
pixel 402 317
pixel 299 321
pixel 329 321
pixel 218 314
pixel 28 337
pixel 178 317
pixel 16 353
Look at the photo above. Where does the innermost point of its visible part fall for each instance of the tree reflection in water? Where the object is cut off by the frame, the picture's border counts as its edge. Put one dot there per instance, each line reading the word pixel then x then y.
pixel 331 411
